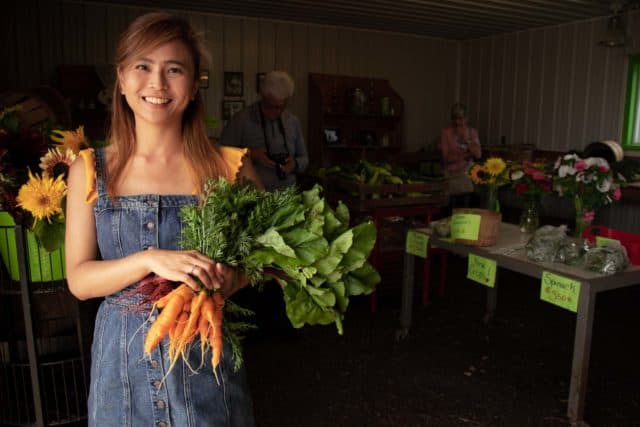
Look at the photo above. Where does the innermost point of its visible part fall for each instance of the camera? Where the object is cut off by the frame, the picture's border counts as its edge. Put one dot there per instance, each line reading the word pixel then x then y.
pixel 280 159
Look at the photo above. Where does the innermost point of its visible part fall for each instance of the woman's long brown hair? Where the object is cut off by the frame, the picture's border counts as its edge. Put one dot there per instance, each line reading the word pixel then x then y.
pixel 144 34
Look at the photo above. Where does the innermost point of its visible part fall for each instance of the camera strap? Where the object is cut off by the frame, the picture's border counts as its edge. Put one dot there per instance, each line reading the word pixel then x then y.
pixel 264 132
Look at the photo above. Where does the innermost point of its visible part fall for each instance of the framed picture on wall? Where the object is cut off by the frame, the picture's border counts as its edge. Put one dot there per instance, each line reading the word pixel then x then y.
pixel 332 136
pixel 229 108
pixel 233 83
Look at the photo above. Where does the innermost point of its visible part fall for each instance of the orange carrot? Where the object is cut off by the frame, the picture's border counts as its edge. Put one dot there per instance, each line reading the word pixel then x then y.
pixel 160 328
pixel 192 324
pixel 178 332
pixel 182 290
pixel 167 317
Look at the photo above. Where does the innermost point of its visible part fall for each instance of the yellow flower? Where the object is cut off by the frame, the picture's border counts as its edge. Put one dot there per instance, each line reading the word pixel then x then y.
pixel 56 163
pixel 477 174
pixel 495 166
pixel 74 140
pixel 42 196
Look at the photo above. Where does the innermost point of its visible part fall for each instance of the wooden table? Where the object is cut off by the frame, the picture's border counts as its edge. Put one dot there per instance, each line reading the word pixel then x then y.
pixel 509 253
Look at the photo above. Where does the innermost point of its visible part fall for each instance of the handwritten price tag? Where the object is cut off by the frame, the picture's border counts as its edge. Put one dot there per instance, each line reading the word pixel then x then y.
pixel 465 226
pixel 416 243
pixel 560 291
pixel 482 270
pixel 605 241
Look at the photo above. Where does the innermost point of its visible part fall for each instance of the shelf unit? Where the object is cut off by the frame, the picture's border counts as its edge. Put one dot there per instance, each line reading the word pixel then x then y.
pixel 368 129
pixel 44 351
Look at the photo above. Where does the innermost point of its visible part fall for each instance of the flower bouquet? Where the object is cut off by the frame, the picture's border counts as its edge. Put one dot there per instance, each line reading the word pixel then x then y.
pixel 530 180
pixel 33 170
pixel 589 182
pixel 490 175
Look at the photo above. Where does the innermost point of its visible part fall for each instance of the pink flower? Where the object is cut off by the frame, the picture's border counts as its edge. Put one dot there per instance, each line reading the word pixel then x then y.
pixel 604 168
pixel 538 176
pixel 616 193
pixel 580 165
pixel 589 216
pixel 522 188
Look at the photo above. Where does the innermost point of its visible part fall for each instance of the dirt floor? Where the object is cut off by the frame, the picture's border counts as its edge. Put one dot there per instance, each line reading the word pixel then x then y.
pixel 451 370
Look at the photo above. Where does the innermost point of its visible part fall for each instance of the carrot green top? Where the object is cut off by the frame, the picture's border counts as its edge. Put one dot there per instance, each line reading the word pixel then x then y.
pixel 231 158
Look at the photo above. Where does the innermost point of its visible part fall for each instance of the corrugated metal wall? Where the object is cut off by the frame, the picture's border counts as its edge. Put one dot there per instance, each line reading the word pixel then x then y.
pixel 552 87
pixel 40 34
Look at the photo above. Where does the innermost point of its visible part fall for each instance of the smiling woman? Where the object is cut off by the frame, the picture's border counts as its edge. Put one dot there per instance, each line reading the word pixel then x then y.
pixel 123 205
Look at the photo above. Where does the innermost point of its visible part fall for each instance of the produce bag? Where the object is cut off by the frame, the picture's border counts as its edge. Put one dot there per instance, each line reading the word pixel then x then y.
pixel 608 259
pixel 545 242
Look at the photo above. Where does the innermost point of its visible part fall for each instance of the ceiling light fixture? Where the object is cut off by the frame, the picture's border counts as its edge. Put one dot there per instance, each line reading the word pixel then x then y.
pixel 615 35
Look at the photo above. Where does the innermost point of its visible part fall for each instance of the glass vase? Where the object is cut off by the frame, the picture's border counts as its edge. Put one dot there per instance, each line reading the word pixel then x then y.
pixel 582 221
pixel 493 204
pixel 530 217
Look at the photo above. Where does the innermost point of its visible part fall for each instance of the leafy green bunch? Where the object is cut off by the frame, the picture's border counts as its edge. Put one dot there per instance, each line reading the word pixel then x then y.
pixel 294 237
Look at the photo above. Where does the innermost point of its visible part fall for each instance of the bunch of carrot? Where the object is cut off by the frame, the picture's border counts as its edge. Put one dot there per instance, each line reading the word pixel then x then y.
pixel 184 315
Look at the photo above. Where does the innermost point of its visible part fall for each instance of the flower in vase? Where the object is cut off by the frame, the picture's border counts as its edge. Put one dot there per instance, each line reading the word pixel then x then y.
pixel 56 162
pixel 530 179
pixel 73 140
pixel 590 182
pixel 42 196
pixel 494 171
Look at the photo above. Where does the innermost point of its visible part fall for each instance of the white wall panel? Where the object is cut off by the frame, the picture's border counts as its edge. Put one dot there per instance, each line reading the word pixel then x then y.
pixel 553 87
pixel 423 70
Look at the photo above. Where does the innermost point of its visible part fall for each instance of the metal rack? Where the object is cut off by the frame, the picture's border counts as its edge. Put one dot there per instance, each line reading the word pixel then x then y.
pixel 43 350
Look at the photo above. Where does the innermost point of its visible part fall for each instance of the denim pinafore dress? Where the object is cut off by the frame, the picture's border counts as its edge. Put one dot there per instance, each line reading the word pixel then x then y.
pixel 127 387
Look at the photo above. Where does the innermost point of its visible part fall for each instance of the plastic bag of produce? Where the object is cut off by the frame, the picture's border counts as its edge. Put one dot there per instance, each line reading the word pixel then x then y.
pixel 608 259
pixel 544 243
pixel 571 251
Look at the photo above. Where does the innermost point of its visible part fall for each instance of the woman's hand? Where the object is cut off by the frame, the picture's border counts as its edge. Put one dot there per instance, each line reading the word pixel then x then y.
pixel 183 267
pixel 192 267
pixel 230 279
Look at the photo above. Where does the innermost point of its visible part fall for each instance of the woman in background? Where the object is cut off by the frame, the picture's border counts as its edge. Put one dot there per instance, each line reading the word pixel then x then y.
pixel 459 146
pixel 123 224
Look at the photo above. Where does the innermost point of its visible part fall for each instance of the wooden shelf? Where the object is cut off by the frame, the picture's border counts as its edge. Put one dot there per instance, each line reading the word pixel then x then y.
pixel 368 132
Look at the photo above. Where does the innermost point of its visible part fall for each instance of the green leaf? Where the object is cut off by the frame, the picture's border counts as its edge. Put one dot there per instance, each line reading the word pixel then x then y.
pixel 338 248
pixel 301 309
pixel 323 297
pixel 342 213
pixel 273 239
pixel 364 238
pixel 361 281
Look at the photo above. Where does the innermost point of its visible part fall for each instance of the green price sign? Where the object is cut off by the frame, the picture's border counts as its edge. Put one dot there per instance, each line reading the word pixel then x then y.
pixel 417 243
pixel 465 226
pixel 605 241
pixel 482 270
pixel 560 291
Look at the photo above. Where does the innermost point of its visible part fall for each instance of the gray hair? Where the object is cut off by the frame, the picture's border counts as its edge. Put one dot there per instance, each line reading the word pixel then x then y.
pixel 277 84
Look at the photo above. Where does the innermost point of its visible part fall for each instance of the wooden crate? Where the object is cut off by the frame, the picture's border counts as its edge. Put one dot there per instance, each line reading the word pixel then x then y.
pixel 360 197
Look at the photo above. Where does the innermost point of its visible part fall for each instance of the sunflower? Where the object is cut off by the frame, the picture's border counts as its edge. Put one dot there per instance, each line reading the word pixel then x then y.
pixel 57 162
pixel 495 166
pixel 42 196
pixel 477 173
pixel 74 140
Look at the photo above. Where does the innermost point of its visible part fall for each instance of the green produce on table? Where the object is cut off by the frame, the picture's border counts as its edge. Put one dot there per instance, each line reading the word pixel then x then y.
pixel 294 237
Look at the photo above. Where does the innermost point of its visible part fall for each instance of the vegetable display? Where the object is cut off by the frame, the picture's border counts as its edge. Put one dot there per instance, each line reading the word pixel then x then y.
pixel 293 237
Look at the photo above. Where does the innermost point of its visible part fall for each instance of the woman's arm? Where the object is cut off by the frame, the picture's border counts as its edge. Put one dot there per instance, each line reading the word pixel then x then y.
pixel 89 277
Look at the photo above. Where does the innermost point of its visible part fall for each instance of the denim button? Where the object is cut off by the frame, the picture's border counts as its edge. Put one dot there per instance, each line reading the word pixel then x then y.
pixel 162 424
pixel 160 404
pixel 150 225
pixel 154 363
pixel 157 384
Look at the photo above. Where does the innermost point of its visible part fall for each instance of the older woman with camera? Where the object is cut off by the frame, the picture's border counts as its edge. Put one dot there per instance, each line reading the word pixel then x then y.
pixel 272 133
